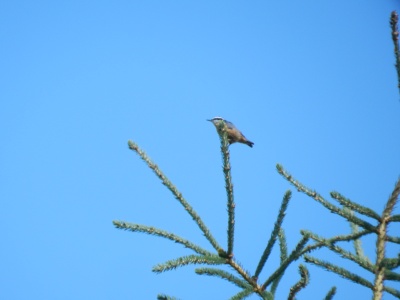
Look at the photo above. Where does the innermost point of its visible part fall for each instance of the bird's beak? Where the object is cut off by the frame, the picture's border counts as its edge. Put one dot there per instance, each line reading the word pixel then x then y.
pixel 208 120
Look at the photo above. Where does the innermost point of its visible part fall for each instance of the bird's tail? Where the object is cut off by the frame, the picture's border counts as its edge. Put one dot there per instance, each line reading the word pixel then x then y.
pixel 250 144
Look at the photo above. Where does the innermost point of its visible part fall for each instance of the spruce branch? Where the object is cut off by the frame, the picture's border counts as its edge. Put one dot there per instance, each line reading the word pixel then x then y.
pixel 330 294
pixel 357 242
pixel 330 244
pixel 247 292
pixel 282 245
pixel 355 206
pixel 346 274
pixel 362 261
pixel 223 135
pixel 391 202
pixel 340 271
pixel 301 284
pixel 165 181
pixel 275 232
pixel 296 253
pixel 251 280
pixel 158 232
pixel 188 260
pixel 224 275
pixel 266 295
pixel 392 291
pixel 320 199
pixel 283 257
pixel 333 240
pixel 244 273
pixel 392 263
pixel 242 294
pixel 392 239
pixel 165 297
pixel 394 18
pixel 394 218
pixel 381 241
pixel 390 275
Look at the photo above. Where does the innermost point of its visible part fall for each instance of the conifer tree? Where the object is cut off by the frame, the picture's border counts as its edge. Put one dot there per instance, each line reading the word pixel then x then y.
pixel 363 221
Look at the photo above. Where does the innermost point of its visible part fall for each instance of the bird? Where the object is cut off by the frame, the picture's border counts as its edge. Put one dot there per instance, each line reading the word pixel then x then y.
pixel 234 134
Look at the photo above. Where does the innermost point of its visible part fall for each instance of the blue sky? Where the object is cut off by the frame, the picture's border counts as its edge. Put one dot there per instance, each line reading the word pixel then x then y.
pixel 311 83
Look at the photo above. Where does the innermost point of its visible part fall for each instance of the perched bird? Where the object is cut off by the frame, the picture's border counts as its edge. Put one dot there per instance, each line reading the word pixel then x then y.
pixel 234 134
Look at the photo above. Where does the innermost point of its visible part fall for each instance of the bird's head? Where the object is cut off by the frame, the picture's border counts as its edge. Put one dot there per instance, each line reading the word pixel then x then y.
pixel 216 120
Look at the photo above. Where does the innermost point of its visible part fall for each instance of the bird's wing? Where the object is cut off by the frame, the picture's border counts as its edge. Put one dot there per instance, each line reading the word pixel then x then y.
pixel 230 125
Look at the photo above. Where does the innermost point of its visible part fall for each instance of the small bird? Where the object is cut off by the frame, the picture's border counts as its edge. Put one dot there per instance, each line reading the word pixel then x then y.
pixel 234 134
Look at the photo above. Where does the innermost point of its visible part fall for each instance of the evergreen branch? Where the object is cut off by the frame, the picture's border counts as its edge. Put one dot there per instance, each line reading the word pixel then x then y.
pixel 242 272
pixel 251 280
pixel 242 294
pixel 221 128
pixel 390 275
pixel 158 232
pixel 188 260
pixel 266 295
pixel 320 199
pixel 357 242
pixel 392 239
pixel 360 260
pixel 245 293
pixel 349 237
pixel 392 291
pixel 391 202
pixel 296 253
pixel 165 297
pixel 381 240
pixel 282 245
pixel 340 238
pixel 392 263
pixel 346 274
pixel 284 254
pixel 394 18
pixel 224 275
pixel 176 193
pixel 340 271
pixel 395 218
pixel 301 284
pixel 355 206
pixel 331 293
pixel 275 232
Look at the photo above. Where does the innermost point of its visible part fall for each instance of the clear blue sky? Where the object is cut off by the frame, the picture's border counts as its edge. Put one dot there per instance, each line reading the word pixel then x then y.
pixel 311 83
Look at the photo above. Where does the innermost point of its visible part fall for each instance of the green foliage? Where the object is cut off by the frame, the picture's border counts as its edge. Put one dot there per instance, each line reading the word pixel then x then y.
pixel 378 269
pixel 363 221
pixel 330 294
pixel 243 278
pixel 394 19
pixel 224 275
pixel 302 283
pixel 248 283
pixel 188 260
pixel 165 297
pixel 274 234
